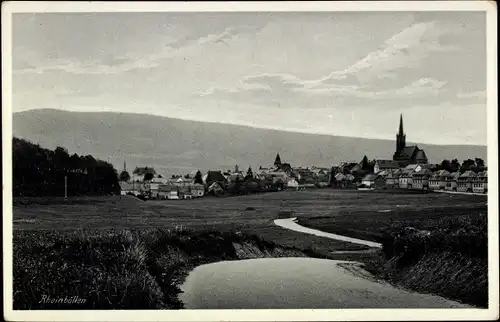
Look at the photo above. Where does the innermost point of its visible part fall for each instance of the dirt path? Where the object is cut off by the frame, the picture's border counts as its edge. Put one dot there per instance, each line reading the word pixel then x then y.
pixel 291 223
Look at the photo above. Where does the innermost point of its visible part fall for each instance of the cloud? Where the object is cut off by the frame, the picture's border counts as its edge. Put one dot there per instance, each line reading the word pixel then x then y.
pixel 113 64
pixel 404 50
pixel 291 90
pixel 480 95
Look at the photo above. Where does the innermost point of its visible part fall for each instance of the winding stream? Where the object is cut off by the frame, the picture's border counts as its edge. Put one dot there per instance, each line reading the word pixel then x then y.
pixel 295 283
pixel 291 223
pixel 298 283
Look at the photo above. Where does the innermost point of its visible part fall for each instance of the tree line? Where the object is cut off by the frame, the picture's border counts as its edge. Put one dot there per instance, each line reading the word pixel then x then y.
pixel 39 171
pixel 476 165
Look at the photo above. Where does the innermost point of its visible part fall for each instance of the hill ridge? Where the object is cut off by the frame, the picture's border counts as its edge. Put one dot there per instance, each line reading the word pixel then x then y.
pixel 179 146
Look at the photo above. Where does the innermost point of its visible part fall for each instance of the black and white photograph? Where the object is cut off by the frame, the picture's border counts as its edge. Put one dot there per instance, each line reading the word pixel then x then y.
pixel 232 161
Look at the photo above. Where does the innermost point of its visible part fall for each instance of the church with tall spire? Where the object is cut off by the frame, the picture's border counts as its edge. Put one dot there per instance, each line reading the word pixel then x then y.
pixel 405 155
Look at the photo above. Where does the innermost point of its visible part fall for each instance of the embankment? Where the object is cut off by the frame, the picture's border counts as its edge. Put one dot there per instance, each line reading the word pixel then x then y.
pixel 449 258
pixel 121 269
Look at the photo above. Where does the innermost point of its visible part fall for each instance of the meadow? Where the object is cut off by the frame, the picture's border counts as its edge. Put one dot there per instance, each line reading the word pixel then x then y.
pixel 112 250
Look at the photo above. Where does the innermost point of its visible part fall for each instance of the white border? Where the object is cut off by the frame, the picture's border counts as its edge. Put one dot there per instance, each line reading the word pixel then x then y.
pixel 254 315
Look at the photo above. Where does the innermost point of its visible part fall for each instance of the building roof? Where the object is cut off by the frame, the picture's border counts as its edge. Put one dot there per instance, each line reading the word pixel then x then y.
pixel 394 173
pixel 411 167
pixel 371 177
pixel 214 185
pixel 409 150
pixel 422 172
pixel 340 176
pixel 285 167
pixel 387 164
pixel 483 174
pixel 468 174
pixel 438 174
pixel 420 154
pixel 406 172
pixel 215 176
pixel 442 173
pixel 159 180
pixel 384 173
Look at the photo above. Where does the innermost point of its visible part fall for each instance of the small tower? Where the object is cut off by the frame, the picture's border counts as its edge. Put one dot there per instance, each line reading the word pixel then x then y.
pixel 277 161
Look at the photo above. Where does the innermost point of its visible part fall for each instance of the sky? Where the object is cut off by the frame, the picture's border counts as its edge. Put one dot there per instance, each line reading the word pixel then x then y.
pixel 337 73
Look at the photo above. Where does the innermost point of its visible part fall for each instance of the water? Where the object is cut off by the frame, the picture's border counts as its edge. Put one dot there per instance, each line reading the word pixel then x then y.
pixel 295 283
pixel 290 223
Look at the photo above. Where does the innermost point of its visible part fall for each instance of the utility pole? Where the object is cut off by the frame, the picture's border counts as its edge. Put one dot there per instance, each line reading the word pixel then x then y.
pixel 65 187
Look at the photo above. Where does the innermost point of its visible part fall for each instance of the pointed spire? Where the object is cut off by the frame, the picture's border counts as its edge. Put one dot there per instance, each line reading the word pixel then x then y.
pixel 277 161
pixel 124 166
pixel 401 132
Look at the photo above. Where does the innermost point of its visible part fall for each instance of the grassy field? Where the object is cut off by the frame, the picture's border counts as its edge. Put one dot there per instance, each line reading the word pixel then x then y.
pixel 243 211
pixel 153 243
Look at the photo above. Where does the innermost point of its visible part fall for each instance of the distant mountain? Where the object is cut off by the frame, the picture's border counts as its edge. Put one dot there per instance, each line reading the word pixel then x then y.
pixel 177 146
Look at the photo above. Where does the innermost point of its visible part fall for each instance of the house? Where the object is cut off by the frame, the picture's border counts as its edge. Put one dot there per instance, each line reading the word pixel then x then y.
pixel 233 177
pixel 292 184
pixel 184 190
pixel 465 181
pixel 285 167
pixel 163 191
pixel 373 180
pixel 277 177
pixel 349 167
pixel 155 182
pixel 321 174
pixel 305 175
pixel 197 190
pixel 420 179
pixel 215 188
pixel 381 165
pixel 481 183
pixel 392 178
pixel 341 180
pixel 355 168
pixel 173 195
pixel 434 181
pixel 129 188
pixel 406 179
pixel 320 170
pixel 438 180
pixel 451 181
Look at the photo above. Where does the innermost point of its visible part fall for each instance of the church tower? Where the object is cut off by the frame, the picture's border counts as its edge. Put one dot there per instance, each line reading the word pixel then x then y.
pixel 277 161
pixel 401 136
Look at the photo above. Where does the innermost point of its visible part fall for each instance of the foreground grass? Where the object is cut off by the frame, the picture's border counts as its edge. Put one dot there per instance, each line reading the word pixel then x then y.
pixel 450 258
pixel 121 269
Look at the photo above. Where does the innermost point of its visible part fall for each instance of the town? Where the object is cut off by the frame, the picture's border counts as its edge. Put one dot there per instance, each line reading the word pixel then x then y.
pixel 408 169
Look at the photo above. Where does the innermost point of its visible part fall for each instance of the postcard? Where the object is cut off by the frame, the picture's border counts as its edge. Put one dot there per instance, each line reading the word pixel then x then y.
pixel 250 161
